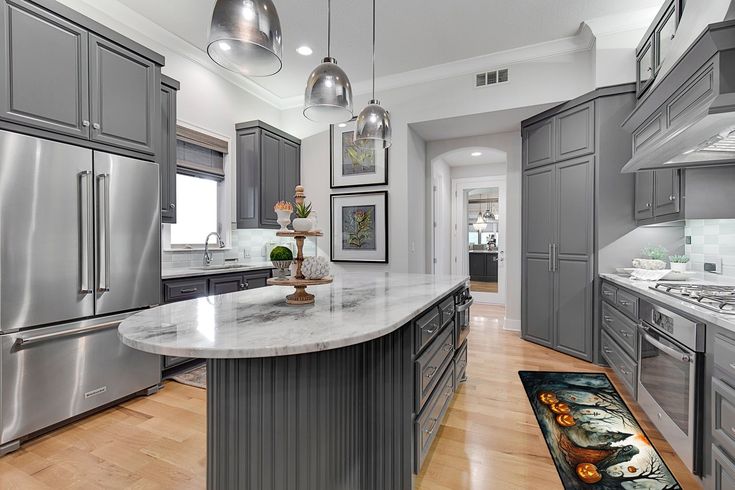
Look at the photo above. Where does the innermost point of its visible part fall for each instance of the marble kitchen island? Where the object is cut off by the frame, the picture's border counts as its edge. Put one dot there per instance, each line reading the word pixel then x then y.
pixel 342 394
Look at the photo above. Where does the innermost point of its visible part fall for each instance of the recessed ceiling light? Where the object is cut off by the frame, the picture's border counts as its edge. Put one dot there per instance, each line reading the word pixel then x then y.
pixel 304 50
pixel 476 153
pixel 341 125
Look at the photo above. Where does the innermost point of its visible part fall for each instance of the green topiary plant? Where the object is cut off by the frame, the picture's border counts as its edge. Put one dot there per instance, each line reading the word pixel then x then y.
pixel 302 210
pixel 679 259
pixel 281 253
pixel 655 253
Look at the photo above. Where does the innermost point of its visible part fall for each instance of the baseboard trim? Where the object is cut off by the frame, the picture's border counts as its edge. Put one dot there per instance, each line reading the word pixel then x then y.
pixel 512 324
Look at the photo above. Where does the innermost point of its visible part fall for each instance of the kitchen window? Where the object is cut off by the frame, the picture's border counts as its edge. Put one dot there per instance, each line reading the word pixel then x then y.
pixel 200 177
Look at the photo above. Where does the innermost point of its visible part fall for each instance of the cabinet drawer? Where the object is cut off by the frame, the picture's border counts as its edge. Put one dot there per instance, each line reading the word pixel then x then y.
pixel 427 423
pixel 723 415
pixel 621 328
pixel 723 470
pixel 724 353
pixel 460 365
pixel 447 309
pixel 182 289
pixel 627 303
pixel 431 364
pixel 257 279
pixel 609 292
pixel 624 367
pixel 426 328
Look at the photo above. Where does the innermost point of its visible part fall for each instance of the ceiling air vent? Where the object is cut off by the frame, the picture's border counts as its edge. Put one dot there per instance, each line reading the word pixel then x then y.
pixel 491 78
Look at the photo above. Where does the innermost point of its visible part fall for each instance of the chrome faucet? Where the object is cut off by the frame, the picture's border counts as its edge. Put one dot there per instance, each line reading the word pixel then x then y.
pixel 207 253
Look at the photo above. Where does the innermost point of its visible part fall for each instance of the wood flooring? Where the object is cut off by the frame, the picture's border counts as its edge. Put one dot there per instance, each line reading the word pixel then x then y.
pixel 483 287
pixel 489 439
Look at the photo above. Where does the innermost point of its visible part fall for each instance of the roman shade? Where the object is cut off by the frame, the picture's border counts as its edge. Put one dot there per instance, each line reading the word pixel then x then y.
pixel 199 154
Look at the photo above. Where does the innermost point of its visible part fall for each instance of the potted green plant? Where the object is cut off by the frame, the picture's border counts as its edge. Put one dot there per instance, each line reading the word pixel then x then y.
pixel 655 258
pixel 679 263
pixel 281 257
pixel 302 222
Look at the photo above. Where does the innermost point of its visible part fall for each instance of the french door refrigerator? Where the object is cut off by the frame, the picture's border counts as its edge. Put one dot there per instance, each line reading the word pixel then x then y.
pixel 79 252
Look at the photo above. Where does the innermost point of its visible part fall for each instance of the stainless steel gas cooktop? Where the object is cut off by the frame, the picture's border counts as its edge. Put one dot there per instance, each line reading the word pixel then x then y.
pixel 715 297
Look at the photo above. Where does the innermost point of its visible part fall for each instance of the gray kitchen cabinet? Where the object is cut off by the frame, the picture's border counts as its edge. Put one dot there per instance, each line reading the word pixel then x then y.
pixel 644 195
pixel 268 170
pixel 124 89
pixel 568 218
pixel 665 192
pixel 167 149
pixel 230 283
pixel 656 43
pixel 645 64
pixel 483 267
pixel 538 144
pixel 68 78
pixel 44 76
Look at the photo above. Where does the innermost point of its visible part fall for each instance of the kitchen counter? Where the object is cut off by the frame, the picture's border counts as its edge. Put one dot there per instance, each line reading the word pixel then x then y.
pixel 643 288
pixel 355 308
pixel 295 390
pixel 483 251
pixel 250 265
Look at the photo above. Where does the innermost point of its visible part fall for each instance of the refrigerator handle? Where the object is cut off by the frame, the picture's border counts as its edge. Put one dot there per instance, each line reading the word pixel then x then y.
pixel 85 228
pixel 103 231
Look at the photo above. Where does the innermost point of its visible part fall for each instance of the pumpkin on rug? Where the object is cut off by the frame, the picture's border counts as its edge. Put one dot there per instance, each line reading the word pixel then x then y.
pixel 594 439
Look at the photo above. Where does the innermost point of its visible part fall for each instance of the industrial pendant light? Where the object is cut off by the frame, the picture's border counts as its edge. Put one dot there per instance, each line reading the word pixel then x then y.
pixel 328 96
pixel 373 122
pixel 245 37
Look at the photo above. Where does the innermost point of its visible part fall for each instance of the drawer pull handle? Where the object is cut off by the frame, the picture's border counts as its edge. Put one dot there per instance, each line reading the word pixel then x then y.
pixel 447 347
pixel 190 290
pixel 624 302
pixel 606 350
pixel 732 365
pixel 448 392
pixel 433 369
pixel 430 430
pixel 626 373
pixel 624 333
pixel 607 293
pixel 732 429
pixel 608 319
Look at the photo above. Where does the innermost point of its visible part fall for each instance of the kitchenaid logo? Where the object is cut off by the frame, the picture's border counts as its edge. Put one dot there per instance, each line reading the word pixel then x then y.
pixel 96 392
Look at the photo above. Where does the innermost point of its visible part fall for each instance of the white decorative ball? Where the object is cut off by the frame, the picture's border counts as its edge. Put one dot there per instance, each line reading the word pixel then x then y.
pixel 315 267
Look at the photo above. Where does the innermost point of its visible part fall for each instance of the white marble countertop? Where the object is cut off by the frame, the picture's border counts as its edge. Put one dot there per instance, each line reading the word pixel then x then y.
pixel 355 308
pixel 697 312
pixel 243 266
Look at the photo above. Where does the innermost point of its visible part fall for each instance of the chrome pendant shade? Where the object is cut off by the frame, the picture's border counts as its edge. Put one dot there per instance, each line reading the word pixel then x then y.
pixel 328 95
pixel 373 122
pixel 245 37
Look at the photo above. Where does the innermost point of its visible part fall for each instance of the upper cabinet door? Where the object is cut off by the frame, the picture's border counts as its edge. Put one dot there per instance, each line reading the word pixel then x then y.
pixel 538 144
pixel 270 179
pixel 248 178
pixel 575 132
pixel 666 192
pixel 665 34
pixel 44 80
pixel 645 65
pixel 167 154
pixel 290 169
pixel 643 195
pixel 124 90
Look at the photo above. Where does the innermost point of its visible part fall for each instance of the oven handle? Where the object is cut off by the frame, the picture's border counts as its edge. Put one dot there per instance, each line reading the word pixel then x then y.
pixel 666 349
pixel 466 305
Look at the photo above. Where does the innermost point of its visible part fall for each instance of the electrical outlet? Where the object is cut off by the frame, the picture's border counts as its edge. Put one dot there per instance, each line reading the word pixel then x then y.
pixel 713 265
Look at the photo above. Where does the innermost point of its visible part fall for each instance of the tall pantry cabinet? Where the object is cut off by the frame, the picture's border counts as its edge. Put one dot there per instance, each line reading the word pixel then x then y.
pixel 575 201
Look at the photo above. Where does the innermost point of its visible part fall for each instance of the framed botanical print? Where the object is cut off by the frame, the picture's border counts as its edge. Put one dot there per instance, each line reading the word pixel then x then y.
pixel 359 227
pixel 356 163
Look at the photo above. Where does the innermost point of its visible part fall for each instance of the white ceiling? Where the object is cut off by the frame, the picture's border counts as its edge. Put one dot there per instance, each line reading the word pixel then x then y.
pixel 463 156
pixel 412 34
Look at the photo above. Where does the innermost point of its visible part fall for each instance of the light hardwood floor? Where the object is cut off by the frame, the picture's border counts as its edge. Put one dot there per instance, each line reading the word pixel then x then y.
pixel 489 440
pixel 483 287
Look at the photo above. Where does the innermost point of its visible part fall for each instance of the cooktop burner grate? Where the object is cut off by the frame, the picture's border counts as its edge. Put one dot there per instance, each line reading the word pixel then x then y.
pixel 711 296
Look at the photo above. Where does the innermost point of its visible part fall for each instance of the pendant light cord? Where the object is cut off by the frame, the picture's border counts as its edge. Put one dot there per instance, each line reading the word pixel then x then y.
pixel 329 28
pixel 373 49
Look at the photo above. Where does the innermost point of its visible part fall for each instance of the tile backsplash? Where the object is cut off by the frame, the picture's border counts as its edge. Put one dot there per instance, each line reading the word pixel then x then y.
pixel 246 245
pixel 711 238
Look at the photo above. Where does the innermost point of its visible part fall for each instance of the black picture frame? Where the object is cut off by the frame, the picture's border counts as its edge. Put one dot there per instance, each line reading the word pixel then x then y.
pixel 332 156
pixel 332 235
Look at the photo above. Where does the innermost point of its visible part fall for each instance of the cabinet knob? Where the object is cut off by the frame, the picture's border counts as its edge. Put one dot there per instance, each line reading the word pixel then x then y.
pixel 650 68
pixel 672 197
pixel 648 204
pixel 96 126
pixel 172 206
pixel 85 123
pixel 242 286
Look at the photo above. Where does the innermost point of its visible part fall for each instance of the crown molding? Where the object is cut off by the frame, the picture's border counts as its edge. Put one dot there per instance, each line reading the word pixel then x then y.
pixel 123 19
pixel 582 41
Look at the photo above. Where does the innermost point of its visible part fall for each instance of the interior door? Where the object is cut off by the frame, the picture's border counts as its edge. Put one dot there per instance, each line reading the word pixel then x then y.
pixel 128 228
pixel 45 232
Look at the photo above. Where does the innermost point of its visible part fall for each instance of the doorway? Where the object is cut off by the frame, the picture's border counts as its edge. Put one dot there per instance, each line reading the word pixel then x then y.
pixel 479 234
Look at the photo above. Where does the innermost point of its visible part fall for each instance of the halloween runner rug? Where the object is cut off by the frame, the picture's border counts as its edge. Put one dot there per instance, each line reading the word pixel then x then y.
pixel 595 441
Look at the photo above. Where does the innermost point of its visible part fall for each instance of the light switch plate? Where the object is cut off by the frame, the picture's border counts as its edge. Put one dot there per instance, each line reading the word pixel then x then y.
pixel 713 264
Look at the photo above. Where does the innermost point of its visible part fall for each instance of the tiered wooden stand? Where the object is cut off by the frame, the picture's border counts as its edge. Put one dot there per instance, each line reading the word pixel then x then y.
pixel 299 282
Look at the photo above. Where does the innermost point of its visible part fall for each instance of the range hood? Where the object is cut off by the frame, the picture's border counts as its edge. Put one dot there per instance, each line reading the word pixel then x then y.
pixel 688 119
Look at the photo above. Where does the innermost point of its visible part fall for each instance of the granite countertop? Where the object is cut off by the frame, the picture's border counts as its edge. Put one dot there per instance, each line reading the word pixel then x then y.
pixel 483 251
pixel 249 265
pixel 355 308
pixel 697 312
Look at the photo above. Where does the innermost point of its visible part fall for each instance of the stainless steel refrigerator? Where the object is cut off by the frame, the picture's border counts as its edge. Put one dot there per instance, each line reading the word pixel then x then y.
pixel 79 252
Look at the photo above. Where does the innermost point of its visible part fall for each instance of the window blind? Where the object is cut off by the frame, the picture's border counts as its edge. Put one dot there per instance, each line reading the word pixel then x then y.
pixel 200 155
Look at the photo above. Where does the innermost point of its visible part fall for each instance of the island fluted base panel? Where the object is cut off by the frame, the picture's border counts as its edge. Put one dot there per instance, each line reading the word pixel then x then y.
pixel 336 419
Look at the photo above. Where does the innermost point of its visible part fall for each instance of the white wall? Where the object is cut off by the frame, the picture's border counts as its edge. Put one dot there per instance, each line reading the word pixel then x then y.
pixel 615 57
pixel 510 143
